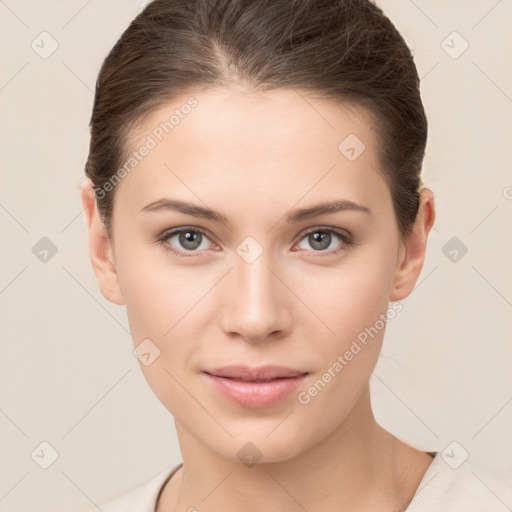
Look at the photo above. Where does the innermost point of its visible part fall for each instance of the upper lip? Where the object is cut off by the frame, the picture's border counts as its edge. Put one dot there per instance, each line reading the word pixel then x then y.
pixel 247 373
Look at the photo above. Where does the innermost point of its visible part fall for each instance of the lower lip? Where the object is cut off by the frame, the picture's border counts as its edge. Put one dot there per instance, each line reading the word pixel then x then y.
pixel 255 395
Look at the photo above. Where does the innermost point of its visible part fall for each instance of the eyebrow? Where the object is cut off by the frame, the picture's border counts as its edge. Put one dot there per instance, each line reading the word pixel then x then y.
pixel 296 215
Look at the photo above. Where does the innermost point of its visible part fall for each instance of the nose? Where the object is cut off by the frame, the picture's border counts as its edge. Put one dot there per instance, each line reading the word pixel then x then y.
pixel 256 303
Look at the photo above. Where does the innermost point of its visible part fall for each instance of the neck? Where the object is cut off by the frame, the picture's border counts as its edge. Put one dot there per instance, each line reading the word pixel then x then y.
pixel 359 465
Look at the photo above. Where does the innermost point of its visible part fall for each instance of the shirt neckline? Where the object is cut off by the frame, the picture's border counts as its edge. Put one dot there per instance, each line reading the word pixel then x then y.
pixel 432 471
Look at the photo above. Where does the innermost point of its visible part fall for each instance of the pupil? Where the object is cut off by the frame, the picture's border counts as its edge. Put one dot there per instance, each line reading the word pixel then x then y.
pixel 322 238
pixel 188 239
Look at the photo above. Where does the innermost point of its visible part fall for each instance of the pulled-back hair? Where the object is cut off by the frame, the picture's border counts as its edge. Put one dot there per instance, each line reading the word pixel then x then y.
pixel 346 51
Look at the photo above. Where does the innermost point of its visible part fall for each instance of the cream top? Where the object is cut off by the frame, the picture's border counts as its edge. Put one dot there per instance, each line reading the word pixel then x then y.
pixel 468 488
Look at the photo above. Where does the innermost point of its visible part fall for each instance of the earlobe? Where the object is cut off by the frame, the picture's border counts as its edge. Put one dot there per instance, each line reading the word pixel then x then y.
pixel 414 248
pixel 100 247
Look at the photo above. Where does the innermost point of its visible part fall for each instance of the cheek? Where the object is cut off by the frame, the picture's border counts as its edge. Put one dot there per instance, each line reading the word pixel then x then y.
pixel 356 312
pixel 159 307
pixel 163 303
pixel 356 293
pixel 157 296
pixel 354 306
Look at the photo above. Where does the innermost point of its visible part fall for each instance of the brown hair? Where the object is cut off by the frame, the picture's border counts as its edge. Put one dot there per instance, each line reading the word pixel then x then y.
pixel 345 50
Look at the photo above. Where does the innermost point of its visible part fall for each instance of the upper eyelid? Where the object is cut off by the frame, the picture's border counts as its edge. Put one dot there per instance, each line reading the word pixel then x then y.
pixel 339 231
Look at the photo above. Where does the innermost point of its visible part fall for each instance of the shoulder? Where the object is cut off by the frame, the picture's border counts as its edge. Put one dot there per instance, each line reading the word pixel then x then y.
pixel 141 498
pixel 453 485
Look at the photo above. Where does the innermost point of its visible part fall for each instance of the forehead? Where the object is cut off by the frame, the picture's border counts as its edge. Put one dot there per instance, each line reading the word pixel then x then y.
pixel 254 118
pixel 283 144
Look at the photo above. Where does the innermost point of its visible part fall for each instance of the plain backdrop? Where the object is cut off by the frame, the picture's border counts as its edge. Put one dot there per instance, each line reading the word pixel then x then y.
pixel 72 394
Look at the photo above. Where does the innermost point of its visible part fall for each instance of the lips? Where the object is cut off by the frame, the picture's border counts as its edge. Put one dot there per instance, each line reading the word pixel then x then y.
pixel 254 387
pixel 261 374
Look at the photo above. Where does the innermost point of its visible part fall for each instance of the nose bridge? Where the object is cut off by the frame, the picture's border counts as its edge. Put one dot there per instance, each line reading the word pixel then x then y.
pixel 254 307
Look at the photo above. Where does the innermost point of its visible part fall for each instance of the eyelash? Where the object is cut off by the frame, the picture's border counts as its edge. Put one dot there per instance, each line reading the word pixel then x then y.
pixel 345 238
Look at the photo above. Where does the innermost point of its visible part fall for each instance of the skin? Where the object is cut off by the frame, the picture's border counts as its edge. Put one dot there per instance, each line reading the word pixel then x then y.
pixel 254 157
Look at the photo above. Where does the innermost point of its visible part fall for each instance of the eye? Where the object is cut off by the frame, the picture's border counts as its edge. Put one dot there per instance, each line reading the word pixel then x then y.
pixel 321 239
pixel 191 241
pixel 186 240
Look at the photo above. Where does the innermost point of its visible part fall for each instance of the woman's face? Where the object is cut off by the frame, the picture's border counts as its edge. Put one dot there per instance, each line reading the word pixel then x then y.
pixel 269 284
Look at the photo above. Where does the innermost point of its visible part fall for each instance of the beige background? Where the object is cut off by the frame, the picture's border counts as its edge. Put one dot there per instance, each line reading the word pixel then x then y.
pixel 67 373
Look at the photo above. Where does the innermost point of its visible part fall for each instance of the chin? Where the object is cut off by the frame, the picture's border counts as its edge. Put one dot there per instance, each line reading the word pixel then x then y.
pixel 250 449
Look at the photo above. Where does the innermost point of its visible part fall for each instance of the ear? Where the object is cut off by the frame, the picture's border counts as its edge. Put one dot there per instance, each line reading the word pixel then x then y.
pixel 100 247
pixel 412 251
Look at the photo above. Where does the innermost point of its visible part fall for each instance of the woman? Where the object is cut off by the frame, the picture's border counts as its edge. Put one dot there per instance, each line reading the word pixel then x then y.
pixel 253 197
